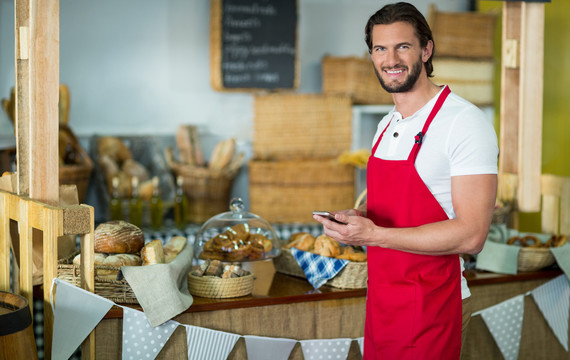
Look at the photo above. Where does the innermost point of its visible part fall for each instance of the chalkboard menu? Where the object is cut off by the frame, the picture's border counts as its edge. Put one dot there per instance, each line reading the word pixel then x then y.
pixel 253 44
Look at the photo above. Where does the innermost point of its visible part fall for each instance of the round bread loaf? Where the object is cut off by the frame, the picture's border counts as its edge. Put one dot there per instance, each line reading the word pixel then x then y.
pixel 118 237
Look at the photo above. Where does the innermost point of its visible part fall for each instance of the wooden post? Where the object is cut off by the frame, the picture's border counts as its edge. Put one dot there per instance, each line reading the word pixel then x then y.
pixel 521 99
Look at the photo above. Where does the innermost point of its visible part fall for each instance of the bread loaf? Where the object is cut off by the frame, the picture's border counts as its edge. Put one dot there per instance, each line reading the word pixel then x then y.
pixel 98 259
pixel 114 147
pixel 119 260
pixel 118 237
pixel 173 247
pixel 152 253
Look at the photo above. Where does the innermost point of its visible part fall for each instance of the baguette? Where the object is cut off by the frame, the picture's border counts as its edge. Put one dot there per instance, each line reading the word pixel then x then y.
pixel 222 154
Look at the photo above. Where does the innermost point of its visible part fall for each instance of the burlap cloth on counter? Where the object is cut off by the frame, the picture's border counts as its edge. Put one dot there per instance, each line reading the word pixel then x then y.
pixel 162 289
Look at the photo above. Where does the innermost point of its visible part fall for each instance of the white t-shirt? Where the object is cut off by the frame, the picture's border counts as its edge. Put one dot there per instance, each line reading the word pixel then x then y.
pixel 461 140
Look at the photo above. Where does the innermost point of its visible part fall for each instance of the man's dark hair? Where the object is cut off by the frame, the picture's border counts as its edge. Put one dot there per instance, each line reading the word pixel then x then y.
pixel 406 12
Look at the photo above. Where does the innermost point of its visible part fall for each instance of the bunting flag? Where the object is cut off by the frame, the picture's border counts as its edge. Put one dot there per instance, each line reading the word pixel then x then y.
pixel 553 300
pixel 258 347
pixel 140 339
pixel 504 321
pixel 72 323
pixel 333 349
pixel 360 342
pixel 207 344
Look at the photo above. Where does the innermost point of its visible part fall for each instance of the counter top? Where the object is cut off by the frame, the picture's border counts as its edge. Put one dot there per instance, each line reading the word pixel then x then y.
pixel 272 288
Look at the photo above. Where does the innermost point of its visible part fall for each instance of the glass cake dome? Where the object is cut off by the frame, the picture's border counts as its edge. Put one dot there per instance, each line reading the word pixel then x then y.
pixel 236 236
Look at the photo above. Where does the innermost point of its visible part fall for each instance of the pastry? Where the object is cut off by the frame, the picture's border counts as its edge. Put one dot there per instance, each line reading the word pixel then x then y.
pixel 118 237
pixel 326 246
pixel 302 241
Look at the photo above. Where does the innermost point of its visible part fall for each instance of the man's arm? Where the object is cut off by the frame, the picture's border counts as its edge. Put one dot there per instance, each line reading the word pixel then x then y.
pixel 473 199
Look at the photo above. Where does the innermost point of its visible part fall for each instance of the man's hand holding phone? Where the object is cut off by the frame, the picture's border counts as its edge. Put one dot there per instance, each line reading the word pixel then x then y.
pixel 328 215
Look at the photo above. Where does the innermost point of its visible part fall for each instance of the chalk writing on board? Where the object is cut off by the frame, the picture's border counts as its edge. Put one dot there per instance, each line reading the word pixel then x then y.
pixel 258 42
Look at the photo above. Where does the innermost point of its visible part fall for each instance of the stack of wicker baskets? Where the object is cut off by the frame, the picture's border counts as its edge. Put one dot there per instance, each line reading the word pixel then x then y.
pixel 76 171
pixel 297 139
pixel 464 53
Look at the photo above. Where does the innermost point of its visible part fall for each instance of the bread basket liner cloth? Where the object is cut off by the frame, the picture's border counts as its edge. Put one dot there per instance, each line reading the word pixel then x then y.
pixel 162 289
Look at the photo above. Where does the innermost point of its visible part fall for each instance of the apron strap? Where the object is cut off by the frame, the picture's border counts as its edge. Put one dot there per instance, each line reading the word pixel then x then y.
pixel 420 136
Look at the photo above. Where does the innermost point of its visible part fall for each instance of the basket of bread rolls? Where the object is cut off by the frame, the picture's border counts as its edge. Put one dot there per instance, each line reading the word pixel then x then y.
pixel 534 253
pixel 353 276
pixel 206 182
pixel 214 279
pixel 119 243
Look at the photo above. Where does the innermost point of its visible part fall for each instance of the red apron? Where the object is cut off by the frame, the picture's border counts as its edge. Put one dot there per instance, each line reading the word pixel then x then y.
pixel 413 306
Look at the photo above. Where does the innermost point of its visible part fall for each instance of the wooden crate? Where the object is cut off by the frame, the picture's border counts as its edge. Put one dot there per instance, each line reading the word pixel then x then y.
pixel 297 126
pixel 354 77
pixel 470 79
pixel 288 191
pixel 463 34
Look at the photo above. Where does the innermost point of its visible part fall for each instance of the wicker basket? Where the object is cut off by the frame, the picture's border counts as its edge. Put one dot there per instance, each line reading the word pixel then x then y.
pixel 353 276
pixel 118 291
pixel 218 288
pixel 463 34
pixel 208 190
pixel 301 126
pixel 533 259
pixel 77 174
pixel 470 79
pixel 354 77
pixel 501 215
pixel 289 191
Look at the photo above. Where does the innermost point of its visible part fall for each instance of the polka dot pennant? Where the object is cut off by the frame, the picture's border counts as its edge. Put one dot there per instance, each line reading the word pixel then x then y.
pixel 553 300
pixel 504 321
pixel 140 340
pixel 326 349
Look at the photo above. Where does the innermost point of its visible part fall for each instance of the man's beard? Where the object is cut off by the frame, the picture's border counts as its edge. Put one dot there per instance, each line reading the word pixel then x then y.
pixel 406 85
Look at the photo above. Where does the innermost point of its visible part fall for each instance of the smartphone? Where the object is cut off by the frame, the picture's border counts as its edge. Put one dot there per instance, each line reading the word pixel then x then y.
pixel 328 215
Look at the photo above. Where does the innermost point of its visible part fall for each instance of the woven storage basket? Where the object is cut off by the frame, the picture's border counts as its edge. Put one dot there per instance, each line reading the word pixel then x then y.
pixel 297 126
pixel 532 259
pixel 463 34
pixel 289 191
pixel 501 215
pixel 354 77
pixel 76 174
pixel 470 79
pixel 218 288
pixel 353 276
pixel 208 190
pixel 118 291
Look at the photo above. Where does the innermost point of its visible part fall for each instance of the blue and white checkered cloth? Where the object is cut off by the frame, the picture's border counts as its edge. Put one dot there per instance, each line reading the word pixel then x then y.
pixel 318 269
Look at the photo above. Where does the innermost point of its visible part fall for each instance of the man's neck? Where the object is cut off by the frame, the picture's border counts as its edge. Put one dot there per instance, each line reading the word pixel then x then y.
pixel 409 102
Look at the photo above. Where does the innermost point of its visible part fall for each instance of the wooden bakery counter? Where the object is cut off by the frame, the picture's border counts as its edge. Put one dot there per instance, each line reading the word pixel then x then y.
pixel 288 307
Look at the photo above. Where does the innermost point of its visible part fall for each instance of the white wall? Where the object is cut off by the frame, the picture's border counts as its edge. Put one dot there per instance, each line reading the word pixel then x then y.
pixel 138 67
pixel 143 66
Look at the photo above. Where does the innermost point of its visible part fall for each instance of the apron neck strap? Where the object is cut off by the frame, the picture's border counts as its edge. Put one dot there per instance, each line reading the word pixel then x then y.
pixel 418 139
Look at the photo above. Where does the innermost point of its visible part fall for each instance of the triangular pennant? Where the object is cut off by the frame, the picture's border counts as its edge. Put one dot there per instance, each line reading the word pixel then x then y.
pixel 140 339
pixel 258 347
pixel 207 344
pixel 325 349
pixel 553 300
pixel 504 321
pixel 72 323
pixel 318 269
pixel 360 342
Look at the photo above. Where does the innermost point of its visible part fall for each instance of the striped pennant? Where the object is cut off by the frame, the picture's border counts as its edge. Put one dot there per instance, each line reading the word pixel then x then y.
pixel 553 299
pixel 207 344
